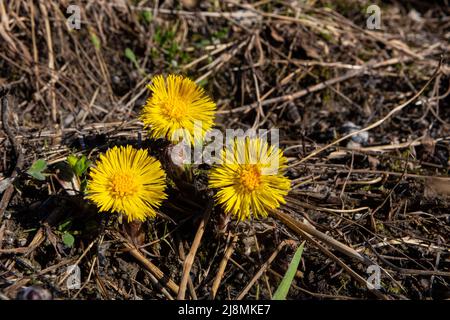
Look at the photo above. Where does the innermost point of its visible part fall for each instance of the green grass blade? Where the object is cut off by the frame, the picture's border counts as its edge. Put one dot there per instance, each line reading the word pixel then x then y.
pixel 283 288
pixel 131 56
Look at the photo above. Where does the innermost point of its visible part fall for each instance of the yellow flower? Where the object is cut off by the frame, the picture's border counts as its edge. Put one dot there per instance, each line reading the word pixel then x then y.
pixel 127 181
pixel 177 104
pixel 250 179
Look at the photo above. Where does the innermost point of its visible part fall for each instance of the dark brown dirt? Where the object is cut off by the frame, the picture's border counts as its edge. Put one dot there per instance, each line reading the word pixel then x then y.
pixel 305 67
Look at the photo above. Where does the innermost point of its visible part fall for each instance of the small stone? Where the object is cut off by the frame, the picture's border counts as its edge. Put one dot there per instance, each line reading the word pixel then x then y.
pixel 361 138
pixel 34 293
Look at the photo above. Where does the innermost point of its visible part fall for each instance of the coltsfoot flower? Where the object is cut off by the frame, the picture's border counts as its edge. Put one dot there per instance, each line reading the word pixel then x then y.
pixel 127 181
pixel 176 105
pixel 250 180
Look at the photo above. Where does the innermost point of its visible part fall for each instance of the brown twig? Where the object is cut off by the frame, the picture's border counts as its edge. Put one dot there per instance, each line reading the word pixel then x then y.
pixel 377 123
pixel 263 268
pixel 349 270
pixel 39 236
pixel 17 150
pixel 190 283
pixel 300 228
pixel 162 278
pixel 191 255
pixel 223 264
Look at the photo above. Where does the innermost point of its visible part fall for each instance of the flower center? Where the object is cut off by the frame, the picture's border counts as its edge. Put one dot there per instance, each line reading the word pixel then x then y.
pixel 175 109
pixel 250 177
pixel 123 184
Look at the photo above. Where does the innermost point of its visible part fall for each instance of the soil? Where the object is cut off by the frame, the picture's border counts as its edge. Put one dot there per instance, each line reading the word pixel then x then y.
pixel 363 116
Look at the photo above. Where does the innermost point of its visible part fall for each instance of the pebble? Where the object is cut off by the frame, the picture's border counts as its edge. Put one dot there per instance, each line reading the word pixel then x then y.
pixel 361 138
pixel 34 293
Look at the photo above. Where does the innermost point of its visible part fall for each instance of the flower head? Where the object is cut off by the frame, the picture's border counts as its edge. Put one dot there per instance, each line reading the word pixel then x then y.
pixel 250 180
pixel 127 181
pixel 174 108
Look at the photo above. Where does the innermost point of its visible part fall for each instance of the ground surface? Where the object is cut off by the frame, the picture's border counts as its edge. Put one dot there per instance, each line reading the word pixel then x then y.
pixel 305 67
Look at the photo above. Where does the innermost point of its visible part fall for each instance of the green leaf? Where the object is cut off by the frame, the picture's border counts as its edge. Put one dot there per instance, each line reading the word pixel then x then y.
pixel 72 160
pixel 283 288
pixel 68 239
pixel 65 225
pixel 36 169
pixel 83 185
pixel 147 15
pixel 39 165
pixel 81 166
pixel 78 165
pixel 95 40
pixel 130 55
